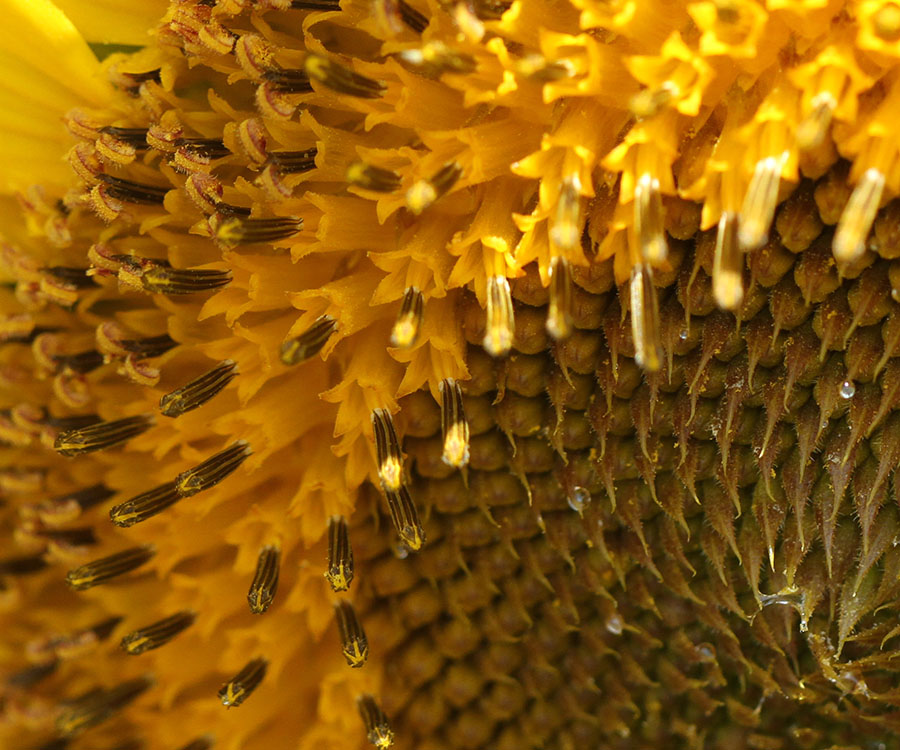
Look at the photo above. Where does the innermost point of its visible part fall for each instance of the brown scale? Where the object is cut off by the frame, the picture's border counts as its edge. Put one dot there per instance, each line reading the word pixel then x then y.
pixel 626 549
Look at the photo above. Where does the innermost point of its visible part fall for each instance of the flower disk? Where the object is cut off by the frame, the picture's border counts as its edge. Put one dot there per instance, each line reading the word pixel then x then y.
pixel 450 374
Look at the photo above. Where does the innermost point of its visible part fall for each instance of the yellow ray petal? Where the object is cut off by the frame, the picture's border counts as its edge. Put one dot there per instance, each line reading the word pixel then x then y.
pixel 114 21
pixel 42 51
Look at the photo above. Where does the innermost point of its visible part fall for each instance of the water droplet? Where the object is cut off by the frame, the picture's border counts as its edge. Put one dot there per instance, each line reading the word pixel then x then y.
pixel 400 550
pixel 578 499
pixel 615 624
pixel 847 389
pixel 683 334
pixel 706 652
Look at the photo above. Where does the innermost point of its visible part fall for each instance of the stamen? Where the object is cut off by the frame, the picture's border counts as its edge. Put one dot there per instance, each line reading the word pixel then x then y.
pixel 265 582
pixel 341 79
pixel 372 178
pixel 454 425
pixel 241 230
pixel 310 342
pixel 425 192
pixel 648 220
pixel 235 691
pixel 208 148
pixel 565 231
pixel 645 319
pixel 134 137
pixel 728 264
pixel 758 209
pixel 80 537
pixel 133 192
pixel 199 390
pixel 293 162
pixel 857 218
pixel 288 81
pixel 98 705
pixel 501 323
pixel 316 4
pixel 158 634
pixel 378 728
pixel 405 518
pixel 434 58
pixel 107 568
pixel 812 131
pixel 411 17
pixel 21 566
pixel 409 321
pixel 31 676
pixel 81 363
pixel 340 555
pixel 354 644
pixel 559 315
pixel 101 436
pixel 213 470
pixel 201 743
pixel 76 277
pixel 160 279
pixel 387 446
pixel 144 506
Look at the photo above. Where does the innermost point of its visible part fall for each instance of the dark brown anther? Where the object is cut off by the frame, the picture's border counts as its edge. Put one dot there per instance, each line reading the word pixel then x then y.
pixel 101 435
pixel 199 390
pixel 288 81
pixel 378 728
pixel 134 192
pixel 454 426
pixel 409 321
pixel 387 445
pixel 148 348
pixel 144 506
pixel 20 566
pixel 340 555
pixel 425 192
pixel 98 705
pixel 411 17
pixel 205 148
pixel 293 162
pixel 310 342
pixel 80 537
pixel 81 363
pixel 324 5
pixel 234 230
pixel 31 676
pixel 369 177
pixel 162 279
pixel 405 518
pixel 354 644
pixel 107 568
pixel 213 470
pixel 201 743
pixel 341 79
pixel 75 277
pixel 134 137
pixel 238 688
pixel 265 582
pixel 158 634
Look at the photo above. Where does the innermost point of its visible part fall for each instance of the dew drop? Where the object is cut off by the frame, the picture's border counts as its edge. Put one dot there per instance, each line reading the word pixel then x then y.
pixel 578 499
pixel 400 550
pixel 615 625
pixel 683 334
pixel 847 389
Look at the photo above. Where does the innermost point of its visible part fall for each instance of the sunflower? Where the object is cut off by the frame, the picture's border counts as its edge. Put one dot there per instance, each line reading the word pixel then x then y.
pixel 450 374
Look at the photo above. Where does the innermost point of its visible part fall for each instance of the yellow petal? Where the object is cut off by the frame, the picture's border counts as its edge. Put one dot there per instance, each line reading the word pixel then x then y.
pixel 114 21
pixel 48 68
